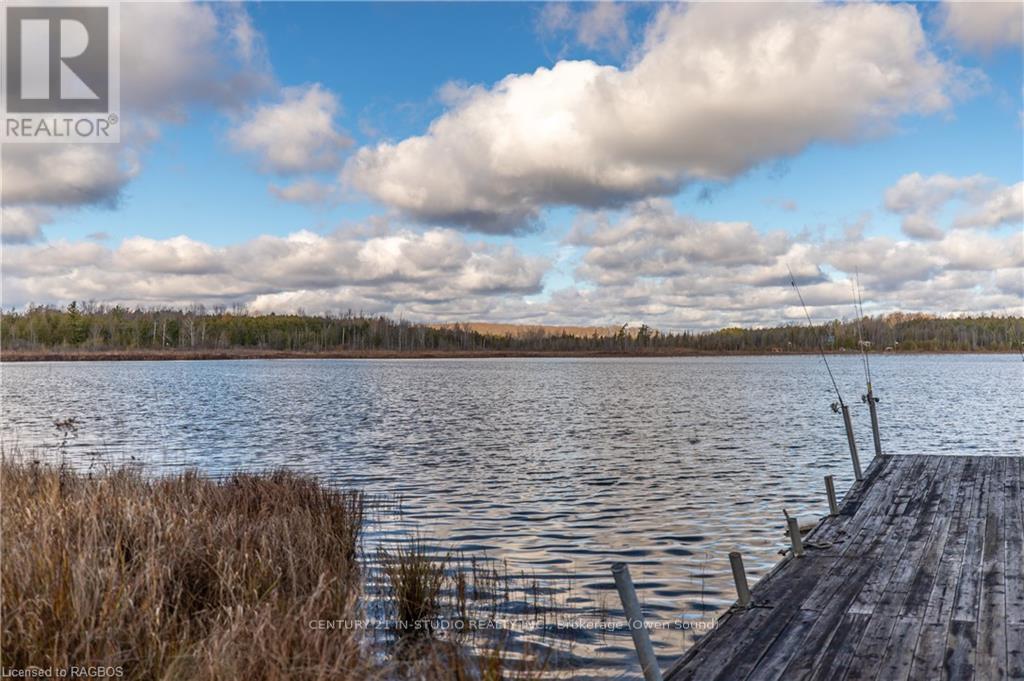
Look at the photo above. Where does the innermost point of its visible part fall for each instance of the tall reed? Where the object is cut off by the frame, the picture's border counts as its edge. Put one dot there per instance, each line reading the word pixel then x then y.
pixel 184 577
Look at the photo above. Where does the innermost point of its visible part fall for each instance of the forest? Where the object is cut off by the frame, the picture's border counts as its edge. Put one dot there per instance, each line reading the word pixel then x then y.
pixel 85 327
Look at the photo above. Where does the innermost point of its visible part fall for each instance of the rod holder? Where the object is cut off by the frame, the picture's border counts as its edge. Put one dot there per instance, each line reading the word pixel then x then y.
pixel 739 575
pixel 794 537
pixel 873 408
pixel 830 490
pixel 853 443
pixel 635 620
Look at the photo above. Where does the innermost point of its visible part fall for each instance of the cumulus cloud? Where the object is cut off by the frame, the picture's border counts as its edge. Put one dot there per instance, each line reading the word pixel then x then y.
pixel 177 255
pixel 671 270
pixel 173 55
pixel 176 54
pixel 296 135
pixel 646 263
pixel 984 26
pixel 653 254
pixel 391 267
pixel 654 240
pixel 712 93
pixel 66 174
pixel 22 224
pixel 1003 206
pixel 921 199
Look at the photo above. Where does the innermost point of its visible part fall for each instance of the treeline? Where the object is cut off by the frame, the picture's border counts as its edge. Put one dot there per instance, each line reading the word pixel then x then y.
pixel 88 327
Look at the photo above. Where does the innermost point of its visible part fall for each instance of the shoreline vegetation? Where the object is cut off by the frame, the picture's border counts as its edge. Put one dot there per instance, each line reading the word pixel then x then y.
pixel 85 331
pixel 257 575
pixel 251 354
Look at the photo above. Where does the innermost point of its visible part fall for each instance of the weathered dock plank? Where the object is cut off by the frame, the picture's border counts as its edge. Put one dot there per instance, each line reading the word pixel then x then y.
pixel 920 576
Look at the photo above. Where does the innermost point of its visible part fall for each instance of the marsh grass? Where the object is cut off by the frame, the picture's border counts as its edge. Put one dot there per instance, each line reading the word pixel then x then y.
pixel 414 577
pixel 188 577
pixel 437 602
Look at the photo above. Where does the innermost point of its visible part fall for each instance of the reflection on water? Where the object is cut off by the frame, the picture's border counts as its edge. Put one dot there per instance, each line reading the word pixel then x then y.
pixel 558 466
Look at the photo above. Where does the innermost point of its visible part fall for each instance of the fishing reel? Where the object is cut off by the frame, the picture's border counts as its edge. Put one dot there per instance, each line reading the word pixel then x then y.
pixel 864 399
pixel 835 407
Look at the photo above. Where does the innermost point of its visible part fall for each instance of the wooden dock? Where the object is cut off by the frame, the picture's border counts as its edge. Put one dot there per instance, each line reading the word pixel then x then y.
pixel 920 576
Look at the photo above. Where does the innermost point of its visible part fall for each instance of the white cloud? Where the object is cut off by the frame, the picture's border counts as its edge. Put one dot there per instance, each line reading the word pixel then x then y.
pixel 173 56
pixel 653 240
pixel 674 271
pixel 295 135
pixel 603 24
pixel 555 16
pixel 391 267
pixel 712 93
pixel 177 255
pixel 647 263
pixel 176 54
pixel 66 174
pixel 599 26
pixel 248 42
pixel 984 26
pixel 970 250
pixel 921 199
pixel 22 224
pixel 1005 205
pixel 1012 281
pixel 305 191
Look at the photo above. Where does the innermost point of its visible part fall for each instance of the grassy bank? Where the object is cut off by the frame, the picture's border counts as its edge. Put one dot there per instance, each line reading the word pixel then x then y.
pixel 186 577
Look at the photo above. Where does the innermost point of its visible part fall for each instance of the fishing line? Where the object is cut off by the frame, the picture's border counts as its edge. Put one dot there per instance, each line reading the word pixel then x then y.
pixel 858 305
pixel 821 347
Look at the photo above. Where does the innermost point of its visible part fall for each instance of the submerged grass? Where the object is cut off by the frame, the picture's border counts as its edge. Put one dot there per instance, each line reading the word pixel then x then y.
pixel 415 579
pixel 188 577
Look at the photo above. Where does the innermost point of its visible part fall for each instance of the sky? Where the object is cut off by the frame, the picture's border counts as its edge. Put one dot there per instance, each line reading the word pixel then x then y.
pixel 564 163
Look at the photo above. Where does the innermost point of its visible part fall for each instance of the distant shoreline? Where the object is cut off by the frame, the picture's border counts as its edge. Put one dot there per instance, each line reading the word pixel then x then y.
pixel 246 353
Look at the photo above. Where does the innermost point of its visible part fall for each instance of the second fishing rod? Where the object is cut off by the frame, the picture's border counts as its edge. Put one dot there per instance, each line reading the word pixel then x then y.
pixel 840 406
pixel 869 399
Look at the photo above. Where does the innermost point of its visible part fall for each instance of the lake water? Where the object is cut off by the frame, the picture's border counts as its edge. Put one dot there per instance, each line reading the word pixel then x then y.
pixel 557 466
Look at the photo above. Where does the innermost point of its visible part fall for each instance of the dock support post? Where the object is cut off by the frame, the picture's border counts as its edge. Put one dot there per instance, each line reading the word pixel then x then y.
pixel 794 537
pixel 635 620
pixel 830 490
pixel 739 575
pixel 853 443
pixel 873 408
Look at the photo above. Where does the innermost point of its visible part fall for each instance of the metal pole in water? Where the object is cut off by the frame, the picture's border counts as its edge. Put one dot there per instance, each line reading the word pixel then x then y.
pixel 830 490
pixel 739 575
pixel 873 408
pixel 635 620
pixel 853 444
pixel 794 537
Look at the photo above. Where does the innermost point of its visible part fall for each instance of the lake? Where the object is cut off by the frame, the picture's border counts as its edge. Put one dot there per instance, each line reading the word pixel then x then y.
pixel 556 466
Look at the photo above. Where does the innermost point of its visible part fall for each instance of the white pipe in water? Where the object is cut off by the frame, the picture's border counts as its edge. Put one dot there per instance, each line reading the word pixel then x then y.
pixel 635 620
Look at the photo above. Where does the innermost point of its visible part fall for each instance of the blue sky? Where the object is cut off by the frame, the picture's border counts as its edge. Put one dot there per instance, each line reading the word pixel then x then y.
pixel 542 246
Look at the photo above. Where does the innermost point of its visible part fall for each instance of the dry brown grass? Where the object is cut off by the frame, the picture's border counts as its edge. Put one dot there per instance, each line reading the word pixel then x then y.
pixel 179 577
pixel 186 577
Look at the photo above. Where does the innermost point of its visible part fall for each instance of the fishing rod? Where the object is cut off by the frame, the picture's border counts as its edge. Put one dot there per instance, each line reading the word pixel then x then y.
pixel 858 307
pixel 869 399
pixel 821 347
pixel 841 406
